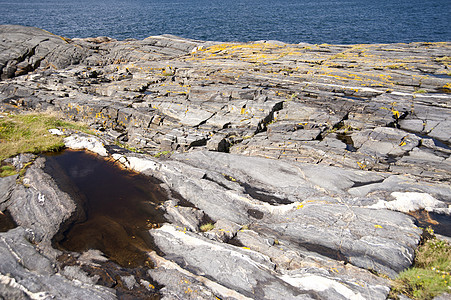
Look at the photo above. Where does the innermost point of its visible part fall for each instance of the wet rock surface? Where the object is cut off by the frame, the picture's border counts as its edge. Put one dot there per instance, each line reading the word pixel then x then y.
pixel 307 159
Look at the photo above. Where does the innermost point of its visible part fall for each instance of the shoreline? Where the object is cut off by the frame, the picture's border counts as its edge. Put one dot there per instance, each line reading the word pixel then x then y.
pixel 305 159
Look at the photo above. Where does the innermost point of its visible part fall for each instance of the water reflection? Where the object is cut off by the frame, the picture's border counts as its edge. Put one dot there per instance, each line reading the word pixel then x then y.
pixel 119 207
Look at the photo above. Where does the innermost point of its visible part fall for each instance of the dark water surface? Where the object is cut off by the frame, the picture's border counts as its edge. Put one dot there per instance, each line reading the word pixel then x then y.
pixel 441 224
pixel 119 207
pixel 294 21
pixel 6 221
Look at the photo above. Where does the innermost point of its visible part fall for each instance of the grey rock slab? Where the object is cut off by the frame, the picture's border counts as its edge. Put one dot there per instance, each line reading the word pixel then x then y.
pixel 9 292
pixel 244 271
pixel 223 231
pixel 267 176
pixel 188 217
pixel 426 163
pixel 239 189
pixel 383 141
pixel 378 240
pixel 218 143
pixel 307 266
pixel 182 284
pixel 415 125
pixel 39 205
pixel 334 141
pixel 283 256
pixel 7 185
pixel 23 49
pixel 298 135
pixel 75 273
pixel 175 42
pixel 291 181
pixel 418 154
pixel 331 288
pixel 195 117
pixel 402 183
pixel 333 282
pixel 92 257
pixel 442 130
pixel 304 114
pixel 336 180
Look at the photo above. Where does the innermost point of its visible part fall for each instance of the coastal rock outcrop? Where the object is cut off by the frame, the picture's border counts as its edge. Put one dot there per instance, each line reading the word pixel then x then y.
pixel 303 160
pixel 24 49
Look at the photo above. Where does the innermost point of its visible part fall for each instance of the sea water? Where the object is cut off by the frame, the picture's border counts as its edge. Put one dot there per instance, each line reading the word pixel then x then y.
pixel 292 21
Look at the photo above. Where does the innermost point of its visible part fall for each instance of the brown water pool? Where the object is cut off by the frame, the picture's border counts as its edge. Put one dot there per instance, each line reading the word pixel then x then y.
pixel 116 207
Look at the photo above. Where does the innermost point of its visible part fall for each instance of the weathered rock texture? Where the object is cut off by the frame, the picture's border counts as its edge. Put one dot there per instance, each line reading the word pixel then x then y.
pixel 305 157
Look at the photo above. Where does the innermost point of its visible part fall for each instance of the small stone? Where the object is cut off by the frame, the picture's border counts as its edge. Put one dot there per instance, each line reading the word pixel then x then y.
pixel 56 131
pixel 129 281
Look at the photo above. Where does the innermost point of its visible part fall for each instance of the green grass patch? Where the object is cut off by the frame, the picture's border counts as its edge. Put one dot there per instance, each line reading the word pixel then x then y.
pixel 29 133
pixel 162 154
pixel 129 148
pixel 420 91
pixel 430 274
pixel 7 170
pixel 207 227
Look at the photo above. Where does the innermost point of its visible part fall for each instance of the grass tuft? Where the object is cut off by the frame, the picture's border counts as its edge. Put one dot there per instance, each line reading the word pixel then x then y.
pixel 430 274
pixel 129 148
pixel 29 133
pixel 7 170
pixel 162 154
pixel 245 227
pixel 207 227
pixel 420 91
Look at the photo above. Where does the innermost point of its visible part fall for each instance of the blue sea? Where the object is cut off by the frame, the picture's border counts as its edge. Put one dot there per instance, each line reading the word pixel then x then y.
pixel 292 21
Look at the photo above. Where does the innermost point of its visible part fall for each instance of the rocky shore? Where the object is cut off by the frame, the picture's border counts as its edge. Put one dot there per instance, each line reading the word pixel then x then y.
pixel 307 159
